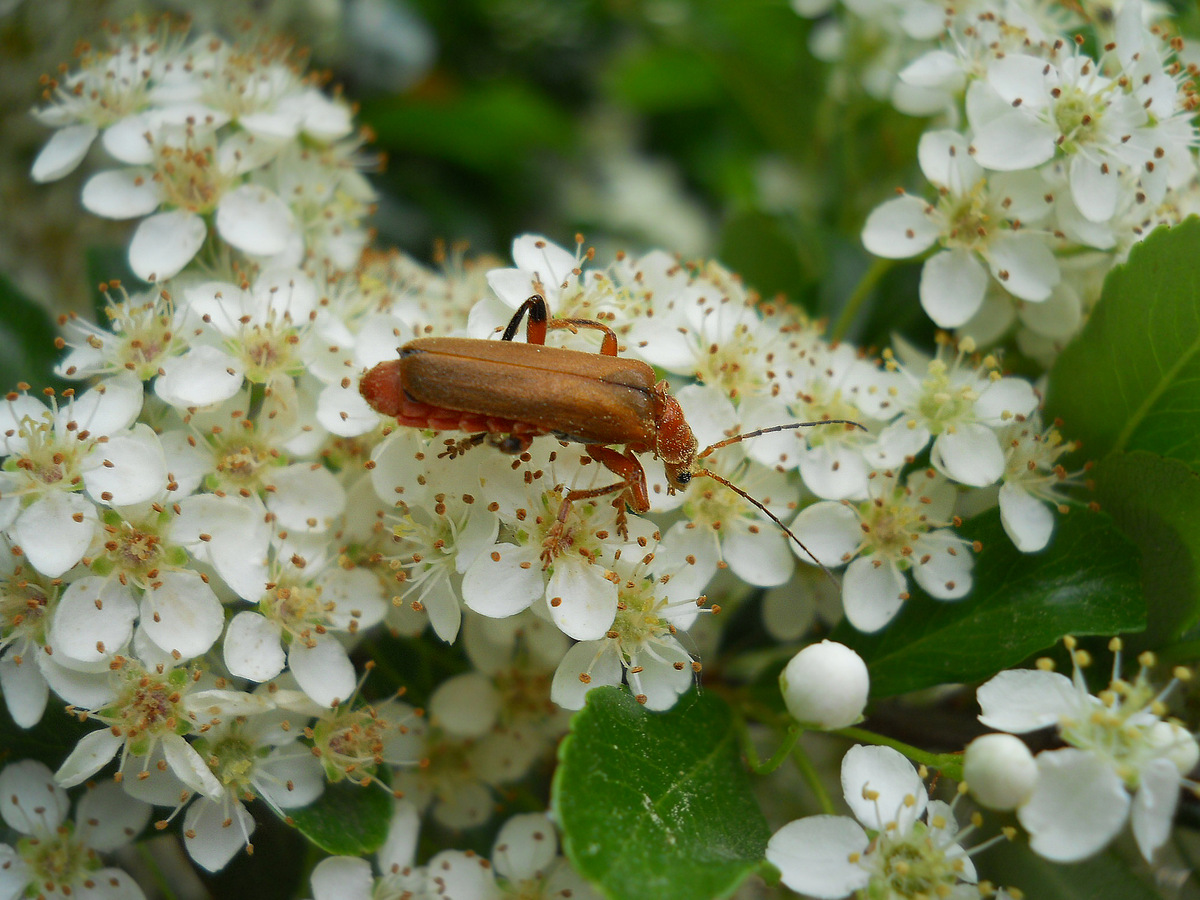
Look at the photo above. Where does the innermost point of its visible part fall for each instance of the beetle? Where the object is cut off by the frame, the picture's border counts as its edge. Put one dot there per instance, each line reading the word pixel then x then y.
pixel 508 393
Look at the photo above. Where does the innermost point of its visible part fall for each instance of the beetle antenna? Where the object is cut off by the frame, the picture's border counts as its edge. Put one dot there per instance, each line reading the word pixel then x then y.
pixel 774 518
pixel 790 426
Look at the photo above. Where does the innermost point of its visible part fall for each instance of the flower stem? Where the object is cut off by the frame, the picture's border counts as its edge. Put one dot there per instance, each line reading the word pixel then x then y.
pixel 765 768
pixel 863 289
pixel 813 780
pixel 949 764
pixel 150 860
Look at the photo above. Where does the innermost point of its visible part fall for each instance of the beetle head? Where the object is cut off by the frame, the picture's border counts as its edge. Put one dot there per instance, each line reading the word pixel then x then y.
pixel 675 444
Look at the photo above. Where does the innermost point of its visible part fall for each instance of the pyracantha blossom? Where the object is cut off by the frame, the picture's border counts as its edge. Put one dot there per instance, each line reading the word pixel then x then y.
pixel 142 333
pixel 658 598
pixel 353 742
pixel 906 845
pixel 979 224
pixel 900 529
pixel 1033 479
pixel 825 686
pixel 1125 759
pixel 254 755
pixel 55 857
pixel 63 461
pixel 958 403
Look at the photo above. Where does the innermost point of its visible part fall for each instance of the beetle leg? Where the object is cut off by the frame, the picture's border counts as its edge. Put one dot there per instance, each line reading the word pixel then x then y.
pixel 552 546
pixel 632 475
pixel 540 322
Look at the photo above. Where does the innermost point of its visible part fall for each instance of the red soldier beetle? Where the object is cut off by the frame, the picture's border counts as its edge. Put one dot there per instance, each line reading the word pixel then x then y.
pixel 508 393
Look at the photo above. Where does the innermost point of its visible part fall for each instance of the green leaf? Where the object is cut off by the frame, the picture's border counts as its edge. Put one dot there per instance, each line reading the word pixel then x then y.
pixel 492 128
pixel 661 78
pixel 348 819
pixel 657 804
pixel 27 351
pixel 1106 876
pixel 1085 582
pixel 1128 382
pixel 1154 500
pixel 757 247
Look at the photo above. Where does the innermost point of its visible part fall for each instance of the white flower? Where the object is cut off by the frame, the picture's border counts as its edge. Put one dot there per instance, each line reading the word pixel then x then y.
pixel 825 686
pixel 912 839
pixel 979 222
pixel 898 530
pixel 1124 759
pixel 658 598
pixel 1033 477
pixel 58 858
pixel 542 267
pixel 959 403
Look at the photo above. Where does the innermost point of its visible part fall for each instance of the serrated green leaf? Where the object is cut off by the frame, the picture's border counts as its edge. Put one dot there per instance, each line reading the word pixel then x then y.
pixel 1129 380
pixel 1155 500
pixel 27 351
pixel 657 804
pixel 1086 582
pixel 347 819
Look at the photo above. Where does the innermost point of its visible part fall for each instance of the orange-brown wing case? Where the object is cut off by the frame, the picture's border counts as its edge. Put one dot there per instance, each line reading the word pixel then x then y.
pixel 588 397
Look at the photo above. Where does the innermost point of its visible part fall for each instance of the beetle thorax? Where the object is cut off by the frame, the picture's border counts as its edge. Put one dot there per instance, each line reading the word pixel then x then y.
pixel 675 444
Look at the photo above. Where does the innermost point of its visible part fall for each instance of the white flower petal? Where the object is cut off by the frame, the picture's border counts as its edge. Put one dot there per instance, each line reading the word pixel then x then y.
pixel 830 530
pixel 121 194
pixel 901 796
pixel 93 613
pixel 182 613
pixel 466 705
pixel 1004 399
pixel 814 854
pixel 1014 141
pixel 323 671
pixel 1095 187
pixel 1024 264
pixel 525 847
pixel 290 781
pixel 87 690
pixel 107 818
pixel 30 801
pixel 127 469
pixel 342 878
pixel 1154 805
pixel 91 754
pixel 872 595
pixel 946 161
pixel 213 834
pixel 952 286
pixel 24 688
pixel 12 413
pixel 763 558
pixel 583 602
pixel 943 565
pixel 63 152
pixel 203 376
pixel 585 667
pixel 164 243
pixel 1022 700
pixel 306 497
pixel 503 581
pixel 834 471
pixel 127 141
pixel 1078 805
pixel 666 674
pixel 1027 521
pixel 255 220
pixel 188 766
pixel 51 536
pixel 970 454
pixel 900 228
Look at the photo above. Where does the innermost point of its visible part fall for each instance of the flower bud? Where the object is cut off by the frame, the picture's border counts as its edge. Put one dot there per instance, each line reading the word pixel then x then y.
pixel 1000 771
pixel 825 686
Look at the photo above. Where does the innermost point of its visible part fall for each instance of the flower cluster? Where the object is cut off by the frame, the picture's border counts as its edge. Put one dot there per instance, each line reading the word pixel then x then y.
pixel 1047 165
pixel 205 131
pixel 1125 760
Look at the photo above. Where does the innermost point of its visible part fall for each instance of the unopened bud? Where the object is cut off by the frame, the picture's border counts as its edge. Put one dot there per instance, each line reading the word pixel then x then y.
pixel 825 686
pixel 1000 771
